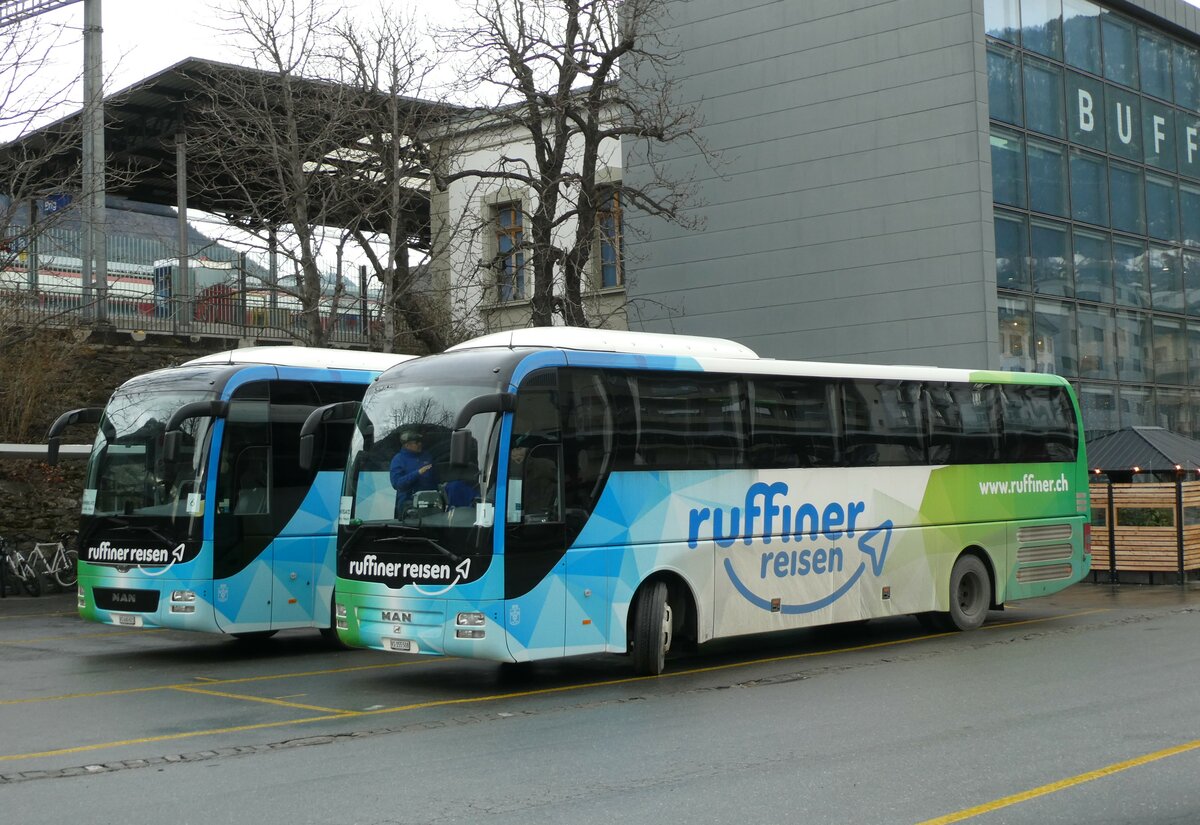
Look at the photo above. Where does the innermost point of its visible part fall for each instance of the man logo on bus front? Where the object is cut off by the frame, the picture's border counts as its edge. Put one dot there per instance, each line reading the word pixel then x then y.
pixel 792 524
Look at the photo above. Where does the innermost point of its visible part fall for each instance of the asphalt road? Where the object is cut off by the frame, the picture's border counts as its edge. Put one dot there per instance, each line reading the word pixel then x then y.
pixel 1083 707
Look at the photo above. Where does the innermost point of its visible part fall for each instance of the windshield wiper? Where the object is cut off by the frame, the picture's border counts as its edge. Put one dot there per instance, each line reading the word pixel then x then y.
pixel 445 552
pixel 123 526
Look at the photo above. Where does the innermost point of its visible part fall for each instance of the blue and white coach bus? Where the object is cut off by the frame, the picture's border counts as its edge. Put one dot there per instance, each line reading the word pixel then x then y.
pixel 627 492
pixel 196 514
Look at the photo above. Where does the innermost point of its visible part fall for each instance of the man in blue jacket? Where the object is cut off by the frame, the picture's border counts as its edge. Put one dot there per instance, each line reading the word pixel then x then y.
pixel 411 470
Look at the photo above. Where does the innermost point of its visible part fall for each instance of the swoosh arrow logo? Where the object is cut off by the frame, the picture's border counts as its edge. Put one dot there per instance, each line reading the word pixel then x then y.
pixel 868 544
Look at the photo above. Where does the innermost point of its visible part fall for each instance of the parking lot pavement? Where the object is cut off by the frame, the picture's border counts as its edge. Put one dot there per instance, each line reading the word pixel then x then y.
pixel 17 605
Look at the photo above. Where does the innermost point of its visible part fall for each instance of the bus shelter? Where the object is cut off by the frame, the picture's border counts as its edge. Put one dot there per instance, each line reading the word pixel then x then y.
pixel 1145 496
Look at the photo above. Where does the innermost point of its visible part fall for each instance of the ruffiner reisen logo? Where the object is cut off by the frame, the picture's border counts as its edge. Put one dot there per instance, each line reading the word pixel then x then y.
pixel 821 542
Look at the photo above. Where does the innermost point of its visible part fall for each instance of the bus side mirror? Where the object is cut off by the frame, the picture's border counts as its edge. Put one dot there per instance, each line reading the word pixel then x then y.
pixel 461 440
pixel 196 409
pixel 460 448
pixel 343 412
pixel 85 415
pixel 171 445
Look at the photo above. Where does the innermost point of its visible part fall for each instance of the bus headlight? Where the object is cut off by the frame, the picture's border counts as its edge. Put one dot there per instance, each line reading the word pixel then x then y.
pixel 469 620
pixel 80 598
pixel 183 596
pixel 183 608
pixel 470 633
pixel 339 610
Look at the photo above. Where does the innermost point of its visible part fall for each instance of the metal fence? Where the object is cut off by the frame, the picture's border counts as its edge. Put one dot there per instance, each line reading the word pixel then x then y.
pixel 254 314
pixel 146 292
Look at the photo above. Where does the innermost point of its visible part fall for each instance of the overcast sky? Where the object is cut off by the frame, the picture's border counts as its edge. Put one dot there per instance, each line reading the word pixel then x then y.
pixel 142 37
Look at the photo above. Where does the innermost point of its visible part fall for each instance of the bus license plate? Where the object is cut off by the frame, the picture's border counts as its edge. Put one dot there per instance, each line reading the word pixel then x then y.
pixel 129 621
pixel 402 645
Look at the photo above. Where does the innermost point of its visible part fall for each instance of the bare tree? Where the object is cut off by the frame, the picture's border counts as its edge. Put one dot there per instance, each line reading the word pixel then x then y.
pixel 319 145
pixel 561 73
pixel 392 160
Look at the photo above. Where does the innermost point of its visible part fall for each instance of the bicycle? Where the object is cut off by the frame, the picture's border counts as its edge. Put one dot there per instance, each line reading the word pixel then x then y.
pixel 62 563
pixel 19 566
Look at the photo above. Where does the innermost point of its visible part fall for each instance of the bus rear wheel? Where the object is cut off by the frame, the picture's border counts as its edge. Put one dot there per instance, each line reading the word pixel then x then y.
pixel 970 593
pixel 652 626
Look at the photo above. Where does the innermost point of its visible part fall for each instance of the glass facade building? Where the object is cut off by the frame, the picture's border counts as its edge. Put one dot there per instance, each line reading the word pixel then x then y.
pixel 1095 148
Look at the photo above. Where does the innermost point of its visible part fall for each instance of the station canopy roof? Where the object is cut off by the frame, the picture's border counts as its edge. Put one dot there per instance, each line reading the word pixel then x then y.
pixel 142 121
pixel 1150 449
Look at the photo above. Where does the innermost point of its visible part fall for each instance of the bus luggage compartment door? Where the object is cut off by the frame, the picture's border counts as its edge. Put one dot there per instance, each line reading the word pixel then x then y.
pixel 292 582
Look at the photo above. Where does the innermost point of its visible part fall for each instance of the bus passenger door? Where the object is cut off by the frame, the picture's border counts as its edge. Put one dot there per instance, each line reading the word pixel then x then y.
pixel 242 524
pixel 303 512
pixel 534 561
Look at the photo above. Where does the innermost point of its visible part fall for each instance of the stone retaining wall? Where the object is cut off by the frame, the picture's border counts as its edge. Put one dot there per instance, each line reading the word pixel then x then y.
pixel 41 500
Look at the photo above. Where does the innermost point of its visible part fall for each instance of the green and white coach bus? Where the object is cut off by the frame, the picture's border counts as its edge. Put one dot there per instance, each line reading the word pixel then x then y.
pixel 636 493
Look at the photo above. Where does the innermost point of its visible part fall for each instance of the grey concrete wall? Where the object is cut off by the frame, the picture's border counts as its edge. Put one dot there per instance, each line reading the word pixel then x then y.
pixel 850 218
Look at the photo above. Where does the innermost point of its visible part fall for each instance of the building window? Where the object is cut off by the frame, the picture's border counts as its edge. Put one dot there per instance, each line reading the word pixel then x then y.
pixel 510 253
pixel 612 254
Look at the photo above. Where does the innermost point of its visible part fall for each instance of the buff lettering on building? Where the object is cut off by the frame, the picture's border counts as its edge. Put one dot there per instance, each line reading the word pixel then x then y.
pixel 792 540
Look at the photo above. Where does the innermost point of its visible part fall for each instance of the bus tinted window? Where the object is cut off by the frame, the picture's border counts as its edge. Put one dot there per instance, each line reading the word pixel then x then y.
pixel 883 421
pixel 689 422
pixel 1039 424
pixel 792 423
pixel 963 423
pixel 588 436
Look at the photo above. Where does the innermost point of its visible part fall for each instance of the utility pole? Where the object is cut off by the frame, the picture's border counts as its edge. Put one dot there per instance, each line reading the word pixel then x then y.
pixel 94 270
pixel 94 190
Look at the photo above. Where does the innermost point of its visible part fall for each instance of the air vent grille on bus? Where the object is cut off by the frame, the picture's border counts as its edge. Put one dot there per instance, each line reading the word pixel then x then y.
pixel 1053 552
pixel 1043 574
pixel 1044 532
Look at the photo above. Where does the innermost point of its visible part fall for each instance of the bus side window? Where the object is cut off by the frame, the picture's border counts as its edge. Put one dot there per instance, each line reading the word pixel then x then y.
pixel 251 480
pixel 588 437
pixel 534 459
pixel 1038 424
pixel 963 423
pixel 691 421
pixel 884 423
pixel 793 423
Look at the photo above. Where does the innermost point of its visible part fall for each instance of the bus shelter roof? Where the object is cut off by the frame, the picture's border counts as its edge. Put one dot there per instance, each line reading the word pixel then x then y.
pixel 143 120
pixel 1149 449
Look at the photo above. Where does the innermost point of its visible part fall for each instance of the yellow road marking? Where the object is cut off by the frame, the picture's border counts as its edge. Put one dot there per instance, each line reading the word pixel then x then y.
pixel 1000 625
pixel 434 703
pixel 172 736
pixel 210 681
pixel 262 699
pixel 1063 784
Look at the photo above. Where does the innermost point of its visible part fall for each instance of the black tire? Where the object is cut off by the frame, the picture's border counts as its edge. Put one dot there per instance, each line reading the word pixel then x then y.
pixel 970 593
pixel 67 576
pixel 651 637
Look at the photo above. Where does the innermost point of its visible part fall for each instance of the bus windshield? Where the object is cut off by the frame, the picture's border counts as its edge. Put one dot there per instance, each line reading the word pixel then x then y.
pixel 402 473
pixel 128 474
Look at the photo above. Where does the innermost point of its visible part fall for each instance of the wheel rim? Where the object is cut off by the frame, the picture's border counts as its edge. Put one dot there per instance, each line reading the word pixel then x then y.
pixel 667 627
pixel 969 590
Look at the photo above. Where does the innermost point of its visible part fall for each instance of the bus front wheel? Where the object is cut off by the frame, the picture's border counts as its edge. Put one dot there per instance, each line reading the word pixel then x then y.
pixel 970 593
pixel 652 623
